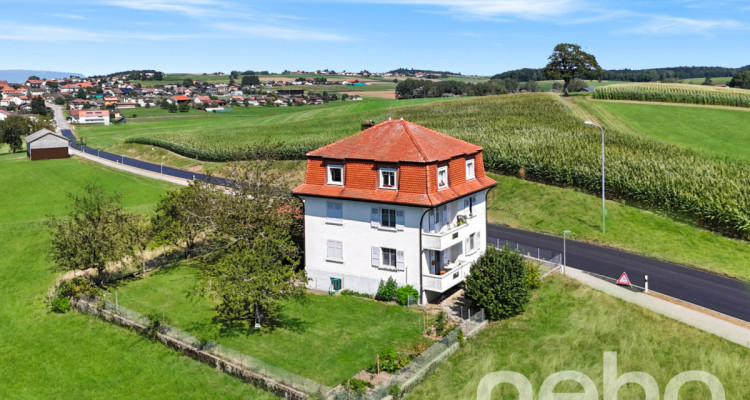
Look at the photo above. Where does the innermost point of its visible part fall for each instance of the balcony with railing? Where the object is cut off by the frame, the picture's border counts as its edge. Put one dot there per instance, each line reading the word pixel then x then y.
pixel 450 234
pixel 449 275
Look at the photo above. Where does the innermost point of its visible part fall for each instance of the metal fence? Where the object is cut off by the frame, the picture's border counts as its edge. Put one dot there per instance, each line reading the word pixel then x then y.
pixel 102 308
pixel 551 256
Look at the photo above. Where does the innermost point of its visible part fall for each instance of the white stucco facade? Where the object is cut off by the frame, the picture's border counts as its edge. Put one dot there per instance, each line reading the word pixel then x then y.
pixel 349 240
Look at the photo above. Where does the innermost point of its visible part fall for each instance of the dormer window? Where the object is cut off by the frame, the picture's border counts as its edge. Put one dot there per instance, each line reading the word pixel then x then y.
pixel 442 177
pixel 336 175
pixel 387 178
pixel 470 169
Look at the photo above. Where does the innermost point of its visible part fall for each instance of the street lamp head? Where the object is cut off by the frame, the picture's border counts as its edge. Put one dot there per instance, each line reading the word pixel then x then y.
pixel 565 232
pixel 589 123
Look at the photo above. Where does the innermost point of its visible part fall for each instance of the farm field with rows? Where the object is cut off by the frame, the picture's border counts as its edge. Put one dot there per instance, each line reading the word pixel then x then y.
pixel 535 135
pixel 675 93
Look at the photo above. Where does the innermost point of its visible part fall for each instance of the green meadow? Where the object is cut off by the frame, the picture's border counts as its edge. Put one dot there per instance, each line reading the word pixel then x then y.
pixel 721 131
pixel 324 338
pixel 48 355
pixel 568 326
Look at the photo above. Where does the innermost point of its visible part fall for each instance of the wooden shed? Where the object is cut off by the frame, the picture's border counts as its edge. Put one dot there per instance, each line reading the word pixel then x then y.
pixel 46 145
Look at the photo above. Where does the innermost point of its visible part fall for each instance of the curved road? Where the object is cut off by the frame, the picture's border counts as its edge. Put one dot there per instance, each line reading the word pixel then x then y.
pixel 715 292
pixel 725 295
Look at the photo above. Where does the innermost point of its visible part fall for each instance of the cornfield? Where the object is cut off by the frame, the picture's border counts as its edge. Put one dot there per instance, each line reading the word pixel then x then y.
pixel 675 93
pixel 535 132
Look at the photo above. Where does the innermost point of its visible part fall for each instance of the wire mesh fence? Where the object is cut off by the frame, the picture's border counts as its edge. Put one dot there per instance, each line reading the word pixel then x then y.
pixel 109 310
pixel 531 251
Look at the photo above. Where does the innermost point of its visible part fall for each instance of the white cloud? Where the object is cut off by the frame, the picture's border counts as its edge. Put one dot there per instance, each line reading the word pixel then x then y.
pixel 278 32
pixel 191 8
pixel 66 16
pixel 55 34
pixel 488 9
pixel 667 25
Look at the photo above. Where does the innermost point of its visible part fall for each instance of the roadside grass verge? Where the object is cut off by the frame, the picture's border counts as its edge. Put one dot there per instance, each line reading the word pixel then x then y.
pixel 568 326
pixel 47 355
pixel 324 338
pixel 549 209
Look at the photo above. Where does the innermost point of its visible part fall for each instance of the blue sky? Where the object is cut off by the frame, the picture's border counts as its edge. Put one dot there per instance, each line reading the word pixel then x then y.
pixel 481 37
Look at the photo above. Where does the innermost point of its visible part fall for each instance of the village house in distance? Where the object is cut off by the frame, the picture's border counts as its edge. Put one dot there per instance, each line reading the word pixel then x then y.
pixel 395 200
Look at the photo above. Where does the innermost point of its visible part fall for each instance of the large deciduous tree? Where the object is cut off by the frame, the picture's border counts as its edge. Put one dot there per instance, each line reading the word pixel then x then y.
pixel 12 131
pixel 95 233
pixel 38 106
pixel 568 61
pixel 741 80
pixel 183 216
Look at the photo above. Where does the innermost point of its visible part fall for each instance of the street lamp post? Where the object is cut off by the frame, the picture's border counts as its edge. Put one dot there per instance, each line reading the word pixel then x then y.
pixel 604 211
pixel 162 168
pixel 565 251
pixel 123 159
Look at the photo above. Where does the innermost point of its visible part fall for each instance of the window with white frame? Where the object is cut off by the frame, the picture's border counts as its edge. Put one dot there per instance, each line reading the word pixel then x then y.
pixel 387 217
pixel 387 178
pixel 384 257
pixel 334 212
pixel 389 257
pixel 470 169
pixel 335 174
pixel 442 177
pixel 471 243
pixel 335 251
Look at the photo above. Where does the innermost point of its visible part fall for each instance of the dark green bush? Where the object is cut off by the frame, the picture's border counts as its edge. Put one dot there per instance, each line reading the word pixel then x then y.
pixel 406 294
pixel 498 283
pixel 440 324
pixel 60 304
pixel 76 287
pixel 389 360
pixel 387 290
pixel 533 275
pixel 358 386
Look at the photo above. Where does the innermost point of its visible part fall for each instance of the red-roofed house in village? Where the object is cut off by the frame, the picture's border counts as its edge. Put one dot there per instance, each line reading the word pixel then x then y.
pixel 395 200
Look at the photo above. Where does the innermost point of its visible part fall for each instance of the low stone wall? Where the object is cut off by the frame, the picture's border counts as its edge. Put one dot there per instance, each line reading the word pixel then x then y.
pixel 271 385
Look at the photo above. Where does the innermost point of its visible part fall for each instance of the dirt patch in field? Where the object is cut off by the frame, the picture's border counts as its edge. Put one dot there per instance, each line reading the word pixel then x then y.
pixel 384 94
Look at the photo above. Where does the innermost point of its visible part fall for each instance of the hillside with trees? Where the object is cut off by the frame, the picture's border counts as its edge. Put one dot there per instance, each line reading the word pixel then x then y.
pixel 632 75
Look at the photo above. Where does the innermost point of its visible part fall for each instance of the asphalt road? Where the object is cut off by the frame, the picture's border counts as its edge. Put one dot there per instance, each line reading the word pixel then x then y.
pixel 715 292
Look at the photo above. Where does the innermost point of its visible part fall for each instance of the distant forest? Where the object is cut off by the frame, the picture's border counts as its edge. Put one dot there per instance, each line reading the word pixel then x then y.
pixel 632 75
pixel 430 73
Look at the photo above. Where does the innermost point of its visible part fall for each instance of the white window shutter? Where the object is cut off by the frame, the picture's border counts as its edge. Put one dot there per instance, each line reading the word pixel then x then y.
pixel 400 260
pixel 340 251
pixel 375 255
pixel 467 246
pixel 375 217
pixel 400 220
pixel 331 250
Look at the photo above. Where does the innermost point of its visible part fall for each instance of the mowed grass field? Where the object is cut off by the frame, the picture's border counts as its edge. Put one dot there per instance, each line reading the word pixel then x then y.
pixel 721 131
pixel 568 326
pixel 549 209
pixel 324 338
pixel 47 355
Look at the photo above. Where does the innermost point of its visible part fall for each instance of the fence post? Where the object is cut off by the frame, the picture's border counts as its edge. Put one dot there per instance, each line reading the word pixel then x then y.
pixel 646 284
pixel 538 254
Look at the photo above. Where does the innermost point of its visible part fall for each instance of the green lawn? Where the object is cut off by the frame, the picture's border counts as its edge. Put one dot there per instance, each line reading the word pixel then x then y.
pixel 326 339
pixel 717 130
pixel 568 326
pixel 46 355
pixel 549 209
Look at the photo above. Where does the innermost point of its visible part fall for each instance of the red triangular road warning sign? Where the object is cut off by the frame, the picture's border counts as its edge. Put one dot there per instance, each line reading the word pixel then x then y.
pixel 623 280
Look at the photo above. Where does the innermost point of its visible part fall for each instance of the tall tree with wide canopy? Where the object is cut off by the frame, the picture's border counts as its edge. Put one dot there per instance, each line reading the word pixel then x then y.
pixel 568 61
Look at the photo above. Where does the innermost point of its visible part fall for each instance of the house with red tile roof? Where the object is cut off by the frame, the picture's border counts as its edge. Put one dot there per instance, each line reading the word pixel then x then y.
pixel 180 98
pixel 396 200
